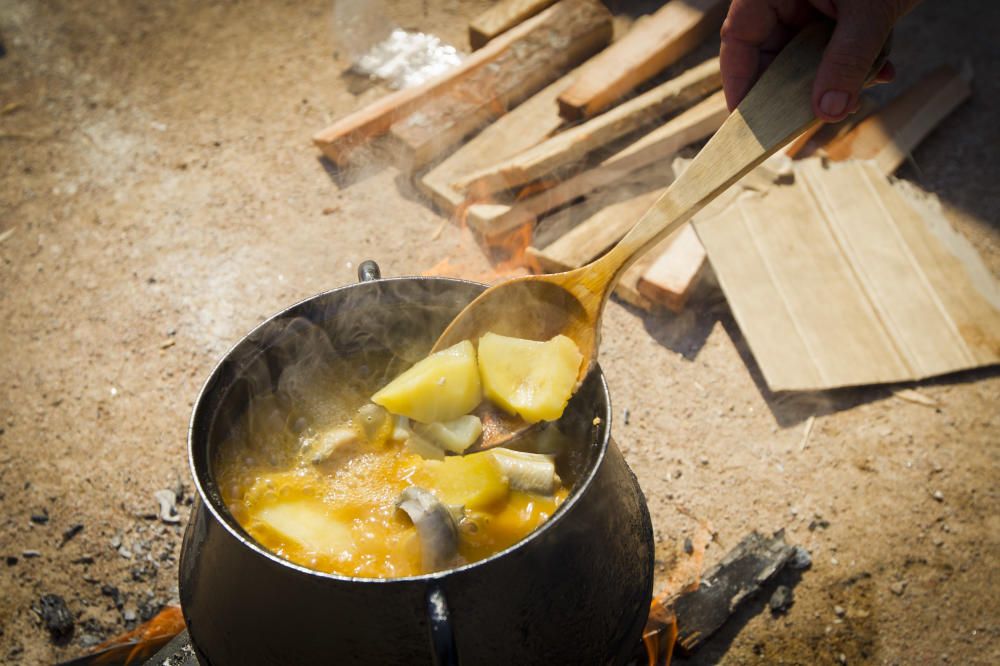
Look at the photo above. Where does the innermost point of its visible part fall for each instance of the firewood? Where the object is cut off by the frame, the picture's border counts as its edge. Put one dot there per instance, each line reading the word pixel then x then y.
pixel 888 136
pixel 528 124
pixel 653 43
pixel 669 278
pixel 560 37
pixel 740 574
pixel 570 146
pixel 501 17
pixel 692 125
pixel 340 140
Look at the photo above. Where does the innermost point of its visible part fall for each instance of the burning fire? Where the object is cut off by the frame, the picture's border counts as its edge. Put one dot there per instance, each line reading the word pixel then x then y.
pixel 660 634
pixel 507 253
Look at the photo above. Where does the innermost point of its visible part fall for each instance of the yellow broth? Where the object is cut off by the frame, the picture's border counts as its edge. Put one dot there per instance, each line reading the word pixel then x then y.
pixel 341 516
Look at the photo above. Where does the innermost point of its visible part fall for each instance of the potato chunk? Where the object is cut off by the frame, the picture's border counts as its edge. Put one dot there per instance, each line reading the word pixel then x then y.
pixel 441 387
pixel 309 525
pixel 474 481
pixel 532 379
pixel 455 436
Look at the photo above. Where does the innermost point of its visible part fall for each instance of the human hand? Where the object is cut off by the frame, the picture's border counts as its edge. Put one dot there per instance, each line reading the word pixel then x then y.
pixel 755 30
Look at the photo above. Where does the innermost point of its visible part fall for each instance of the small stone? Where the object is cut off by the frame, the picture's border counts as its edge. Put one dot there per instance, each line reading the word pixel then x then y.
pixel 839 611
pixel 149 608
pixel 626 416
pixel 56 616
pixel 800 559
pixel 898 588
pixel 781 600
pixel 703 460
pixel 89 640
pixel 842 658
pixel 11 560
pixel 677 473
pixel 115 595
pixel 83 559
pixel 688 546
pixel 938 496
pixel 937 540
pixel 125 552
pixel 819 523
pixel 68 535
pixel 130 615
pixel 168 506
pixel 116 541
pixel 40 517
pixel 29 554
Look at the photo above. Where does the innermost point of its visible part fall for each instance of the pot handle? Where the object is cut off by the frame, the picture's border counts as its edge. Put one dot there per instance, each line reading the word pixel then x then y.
pixel 439 622
pixel 368 270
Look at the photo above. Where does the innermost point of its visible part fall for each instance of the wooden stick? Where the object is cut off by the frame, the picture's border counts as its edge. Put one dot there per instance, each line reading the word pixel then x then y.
pixel 569 33
pixel 342 138
pixel 692 125
pixel 653 43
pixel 573 144
pixel 501 17
pixel 888 136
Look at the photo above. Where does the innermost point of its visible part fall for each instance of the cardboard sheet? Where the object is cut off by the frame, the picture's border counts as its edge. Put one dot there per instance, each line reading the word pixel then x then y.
pixel 843 278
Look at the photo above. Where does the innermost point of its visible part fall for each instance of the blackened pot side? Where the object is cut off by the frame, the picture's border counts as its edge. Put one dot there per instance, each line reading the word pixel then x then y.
pixel 575 591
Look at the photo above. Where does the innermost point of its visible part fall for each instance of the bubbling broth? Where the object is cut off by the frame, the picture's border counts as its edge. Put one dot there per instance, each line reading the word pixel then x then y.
pixel 323 476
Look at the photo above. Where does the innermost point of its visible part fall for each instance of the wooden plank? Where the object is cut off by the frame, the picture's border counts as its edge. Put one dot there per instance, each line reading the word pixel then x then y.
pixel 562 36
pixel 888 136
pixel 502 16
pixel 671 276
pixel 342 138
pixel 653 43
pixel 838 280
pixel 692 125
pixel 571 146
pixel 865 214
pixel 527 124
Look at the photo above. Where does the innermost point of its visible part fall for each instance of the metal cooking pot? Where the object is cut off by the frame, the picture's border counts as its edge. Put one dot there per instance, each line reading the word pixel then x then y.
pixel 575 591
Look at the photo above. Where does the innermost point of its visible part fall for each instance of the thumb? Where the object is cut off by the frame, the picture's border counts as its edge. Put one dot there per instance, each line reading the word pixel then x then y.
pixel 861 30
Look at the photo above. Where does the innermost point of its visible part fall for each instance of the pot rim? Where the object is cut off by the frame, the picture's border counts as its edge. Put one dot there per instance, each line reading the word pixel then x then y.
pixel 237 532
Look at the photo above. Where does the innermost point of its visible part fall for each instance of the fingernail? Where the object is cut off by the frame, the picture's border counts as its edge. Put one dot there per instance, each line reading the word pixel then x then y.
pixel 833 102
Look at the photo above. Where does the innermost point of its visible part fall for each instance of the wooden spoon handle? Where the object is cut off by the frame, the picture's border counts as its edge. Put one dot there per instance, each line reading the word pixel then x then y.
pixel 776 110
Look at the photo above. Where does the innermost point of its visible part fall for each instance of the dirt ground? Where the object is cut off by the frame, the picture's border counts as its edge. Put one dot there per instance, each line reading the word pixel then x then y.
pixel 163 198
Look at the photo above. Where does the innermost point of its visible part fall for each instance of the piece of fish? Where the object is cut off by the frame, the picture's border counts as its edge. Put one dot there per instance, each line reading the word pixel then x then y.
pixel 435 525
pixel 528 472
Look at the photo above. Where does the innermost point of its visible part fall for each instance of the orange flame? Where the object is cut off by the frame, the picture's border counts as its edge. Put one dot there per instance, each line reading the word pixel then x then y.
pixel 144 640
pixel 660 635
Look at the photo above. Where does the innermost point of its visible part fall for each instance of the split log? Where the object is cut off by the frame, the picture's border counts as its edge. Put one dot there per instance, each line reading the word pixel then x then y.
pixel 697 123
pixel 887 137
pixel 552 42
pixel 528 124
pixel 501 17
pixel 653 43
pixel 570 146
pixel 739 575
pixel 340 140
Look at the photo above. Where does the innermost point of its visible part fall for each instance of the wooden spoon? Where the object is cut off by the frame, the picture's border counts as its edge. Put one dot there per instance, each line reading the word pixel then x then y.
pixel 776 110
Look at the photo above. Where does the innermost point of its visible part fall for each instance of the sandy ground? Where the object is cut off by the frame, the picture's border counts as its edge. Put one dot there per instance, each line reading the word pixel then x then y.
pixel 156 173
